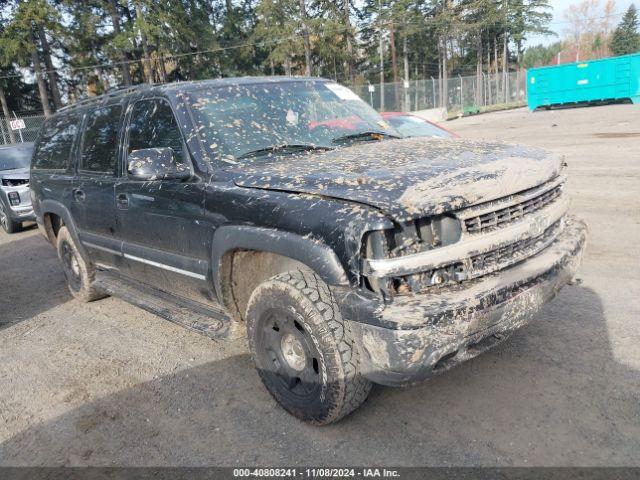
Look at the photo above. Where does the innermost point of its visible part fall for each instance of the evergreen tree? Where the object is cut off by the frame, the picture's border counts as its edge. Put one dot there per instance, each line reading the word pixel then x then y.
pixel 21 41
pixel 77 48
pixel 626 38
pixel 278 28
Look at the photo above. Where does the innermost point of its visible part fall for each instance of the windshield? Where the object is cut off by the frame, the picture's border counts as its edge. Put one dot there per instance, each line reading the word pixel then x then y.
pixel 410 126
pixel 17 156
pixel 237 120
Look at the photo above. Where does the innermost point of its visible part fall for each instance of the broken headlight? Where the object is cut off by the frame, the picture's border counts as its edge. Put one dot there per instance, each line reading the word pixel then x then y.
pixel 408 238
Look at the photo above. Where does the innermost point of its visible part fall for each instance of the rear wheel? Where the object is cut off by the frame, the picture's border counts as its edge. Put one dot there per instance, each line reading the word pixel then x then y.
pixel 303 350
pixel 8 225
pixel 78 273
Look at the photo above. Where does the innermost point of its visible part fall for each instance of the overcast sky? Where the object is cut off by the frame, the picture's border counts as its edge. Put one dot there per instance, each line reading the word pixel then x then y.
pixel 559 22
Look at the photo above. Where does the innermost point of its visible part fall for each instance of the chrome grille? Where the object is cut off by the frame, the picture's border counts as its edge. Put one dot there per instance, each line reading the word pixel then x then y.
pixel 492 236
pixel 501 217
pixel 509 254
pixel 485 263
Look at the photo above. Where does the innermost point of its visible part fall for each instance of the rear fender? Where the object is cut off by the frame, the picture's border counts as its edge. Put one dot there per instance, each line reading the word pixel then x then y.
pixel 51 206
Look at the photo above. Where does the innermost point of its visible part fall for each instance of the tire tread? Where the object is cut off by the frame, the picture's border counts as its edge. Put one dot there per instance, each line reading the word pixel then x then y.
pixel 88 291
pixel 356 387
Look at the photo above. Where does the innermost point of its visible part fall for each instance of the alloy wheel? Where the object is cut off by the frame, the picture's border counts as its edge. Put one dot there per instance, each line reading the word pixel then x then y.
pixel 3 217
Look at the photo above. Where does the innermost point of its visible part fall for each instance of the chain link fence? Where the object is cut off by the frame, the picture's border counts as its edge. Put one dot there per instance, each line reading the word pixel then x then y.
pixel 460 95
pixel 11 130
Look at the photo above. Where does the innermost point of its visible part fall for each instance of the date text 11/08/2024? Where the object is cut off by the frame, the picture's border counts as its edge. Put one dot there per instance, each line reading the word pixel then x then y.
pixel 316 472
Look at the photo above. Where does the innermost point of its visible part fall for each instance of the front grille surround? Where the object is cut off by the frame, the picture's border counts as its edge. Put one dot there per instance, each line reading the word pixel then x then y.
pixel 503 257
pixel 479 265
pixel 501 216
pixel 15 182
pixel 518 226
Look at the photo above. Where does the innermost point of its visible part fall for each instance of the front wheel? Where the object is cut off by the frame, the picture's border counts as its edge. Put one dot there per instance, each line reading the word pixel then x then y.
pixel 8 225
pixel 78 273
pixel 303 350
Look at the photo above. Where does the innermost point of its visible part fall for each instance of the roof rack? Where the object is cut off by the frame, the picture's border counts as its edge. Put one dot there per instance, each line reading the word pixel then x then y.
pixel 112 92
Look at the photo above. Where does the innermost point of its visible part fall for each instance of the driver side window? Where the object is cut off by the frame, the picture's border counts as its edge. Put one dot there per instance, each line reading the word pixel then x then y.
pixel 153 125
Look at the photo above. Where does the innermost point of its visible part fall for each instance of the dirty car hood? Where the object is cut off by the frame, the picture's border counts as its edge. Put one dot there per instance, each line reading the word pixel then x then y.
pixel 407 178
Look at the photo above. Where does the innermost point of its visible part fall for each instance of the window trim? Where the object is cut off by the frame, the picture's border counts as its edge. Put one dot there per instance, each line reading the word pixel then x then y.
pixel 93 173
pixel 123 171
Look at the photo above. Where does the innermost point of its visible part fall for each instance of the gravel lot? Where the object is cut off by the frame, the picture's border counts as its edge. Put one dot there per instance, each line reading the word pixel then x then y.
pixel 108 384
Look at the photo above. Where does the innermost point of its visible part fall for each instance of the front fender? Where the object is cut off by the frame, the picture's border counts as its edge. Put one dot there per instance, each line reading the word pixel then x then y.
pixel 317 256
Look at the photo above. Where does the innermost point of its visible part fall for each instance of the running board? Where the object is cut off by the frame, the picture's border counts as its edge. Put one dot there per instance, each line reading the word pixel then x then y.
pixel 210 321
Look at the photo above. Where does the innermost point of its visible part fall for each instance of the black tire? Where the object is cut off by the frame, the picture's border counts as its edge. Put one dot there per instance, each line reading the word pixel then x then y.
pixel 8 225
pixel 318 379
pixel 79 274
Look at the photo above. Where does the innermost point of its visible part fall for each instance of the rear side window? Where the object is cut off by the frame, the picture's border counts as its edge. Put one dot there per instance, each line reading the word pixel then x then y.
pixel 154 126
pixel 100 139
pixel 55 143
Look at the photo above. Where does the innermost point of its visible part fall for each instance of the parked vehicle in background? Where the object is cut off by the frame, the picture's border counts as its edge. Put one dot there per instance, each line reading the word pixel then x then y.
pixel 348 257
pixel 410 125
pixel 15 197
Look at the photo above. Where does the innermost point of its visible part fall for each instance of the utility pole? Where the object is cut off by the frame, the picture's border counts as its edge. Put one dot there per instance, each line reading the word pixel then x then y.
pixel 394 63
pixel 7 118
pixel 433 87
pixel 445 76
pixel 407 98
pixel 347 25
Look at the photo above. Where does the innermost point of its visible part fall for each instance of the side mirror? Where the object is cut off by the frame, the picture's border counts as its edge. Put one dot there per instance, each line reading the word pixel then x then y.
pixel 156 164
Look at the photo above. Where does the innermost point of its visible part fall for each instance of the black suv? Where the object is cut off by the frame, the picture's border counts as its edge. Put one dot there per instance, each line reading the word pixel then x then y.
pixel 288 209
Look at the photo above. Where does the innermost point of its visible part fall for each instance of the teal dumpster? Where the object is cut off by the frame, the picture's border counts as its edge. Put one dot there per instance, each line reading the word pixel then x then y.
pixel 608 79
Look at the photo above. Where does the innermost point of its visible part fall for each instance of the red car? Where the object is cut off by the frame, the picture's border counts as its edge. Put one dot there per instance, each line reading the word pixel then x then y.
pixel 413 126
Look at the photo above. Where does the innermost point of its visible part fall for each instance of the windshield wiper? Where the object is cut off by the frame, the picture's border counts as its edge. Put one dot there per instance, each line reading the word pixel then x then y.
pixel 369 135
pixel 284 148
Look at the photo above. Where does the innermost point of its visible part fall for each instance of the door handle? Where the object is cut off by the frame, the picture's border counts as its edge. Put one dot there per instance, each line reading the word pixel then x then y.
pixel 122 200
pixel 79 195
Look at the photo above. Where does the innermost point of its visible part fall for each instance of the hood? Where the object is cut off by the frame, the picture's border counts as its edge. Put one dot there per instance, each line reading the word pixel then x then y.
pixel 406 178
pixel 15 174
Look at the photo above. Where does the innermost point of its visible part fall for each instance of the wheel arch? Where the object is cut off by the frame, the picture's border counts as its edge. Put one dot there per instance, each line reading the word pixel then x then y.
pixel 54 216
pixel 244 256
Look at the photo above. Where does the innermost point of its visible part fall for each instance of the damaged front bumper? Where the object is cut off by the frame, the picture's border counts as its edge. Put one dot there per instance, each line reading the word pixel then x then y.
pixel 22 214
pixel 23 211
pixel 419 335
